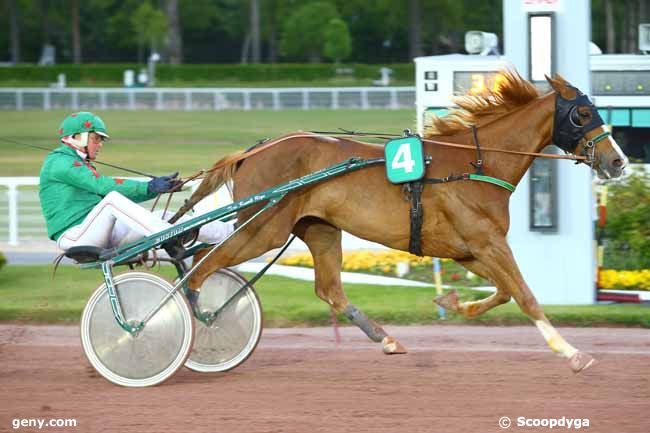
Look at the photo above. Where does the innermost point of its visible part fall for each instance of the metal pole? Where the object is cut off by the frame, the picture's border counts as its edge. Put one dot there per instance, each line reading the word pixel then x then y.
pixel 276 100
pixel 46 100
pixel 393 99
pixel 364 99
pixel 437 275
pixel 247 100
pixel 12 196
pixel 75 101
pixel 102 100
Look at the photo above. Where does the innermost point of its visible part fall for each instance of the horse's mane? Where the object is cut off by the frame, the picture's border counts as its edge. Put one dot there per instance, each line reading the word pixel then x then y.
pixel 511 91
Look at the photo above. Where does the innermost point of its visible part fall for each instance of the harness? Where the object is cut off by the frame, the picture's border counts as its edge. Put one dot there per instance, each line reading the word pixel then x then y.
pixel 568 132
pixel 414 191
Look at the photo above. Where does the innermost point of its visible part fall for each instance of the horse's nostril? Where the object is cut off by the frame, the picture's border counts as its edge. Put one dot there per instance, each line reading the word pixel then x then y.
pixel 617 163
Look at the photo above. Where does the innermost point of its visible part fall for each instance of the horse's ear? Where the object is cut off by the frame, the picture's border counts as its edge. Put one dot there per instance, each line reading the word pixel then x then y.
pixel 562 86
pixel 561 79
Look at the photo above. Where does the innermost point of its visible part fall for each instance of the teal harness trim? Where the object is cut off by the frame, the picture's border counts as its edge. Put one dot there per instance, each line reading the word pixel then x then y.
pixel 600 137
pixel 493 180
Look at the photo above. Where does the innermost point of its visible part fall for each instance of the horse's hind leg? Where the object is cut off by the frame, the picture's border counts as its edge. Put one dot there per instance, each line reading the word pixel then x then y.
pixel 324 242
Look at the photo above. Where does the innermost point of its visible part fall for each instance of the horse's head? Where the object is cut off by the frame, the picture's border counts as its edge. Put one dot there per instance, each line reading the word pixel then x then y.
pixel 579 129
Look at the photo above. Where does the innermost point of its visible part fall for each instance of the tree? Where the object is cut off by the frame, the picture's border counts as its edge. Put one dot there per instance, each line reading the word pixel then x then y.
pixel 273 15
pixel 338 44
pixel 150 25
pixel 175 41
pixel 303 36
pixel 610 26
pixel 415 31
pixel 627 232
pixel 15 31
pixel 76 33
pixel 256 56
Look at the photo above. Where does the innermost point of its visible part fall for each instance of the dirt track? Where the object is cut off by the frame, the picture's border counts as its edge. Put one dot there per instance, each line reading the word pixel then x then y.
pixel 455 379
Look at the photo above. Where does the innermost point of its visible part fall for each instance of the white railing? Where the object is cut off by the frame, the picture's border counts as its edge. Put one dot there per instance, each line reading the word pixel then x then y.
pixel 188 99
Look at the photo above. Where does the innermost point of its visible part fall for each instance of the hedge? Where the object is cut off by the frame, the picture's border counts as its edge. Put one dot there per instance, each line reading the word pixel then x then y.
pixel 112 73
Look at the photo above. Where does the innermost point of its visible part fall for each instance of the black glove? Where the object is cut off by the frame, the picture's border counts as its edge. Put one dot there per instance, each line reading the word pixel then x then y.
pixel 163 183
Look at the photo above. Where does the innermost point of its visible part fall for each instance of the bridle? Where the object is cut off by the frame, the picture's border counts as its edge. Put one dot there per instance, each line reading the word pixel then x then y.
pixel 568 130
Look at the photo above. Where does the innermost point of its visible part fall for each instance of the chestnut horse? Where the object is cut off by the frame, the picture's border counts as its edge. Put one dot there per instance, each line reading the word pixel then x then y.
pixel 466 221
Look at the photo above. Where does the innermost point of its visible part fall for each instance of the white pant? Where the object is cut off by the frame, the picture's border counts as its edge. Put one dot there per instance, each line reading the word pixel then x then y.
pixel 116 221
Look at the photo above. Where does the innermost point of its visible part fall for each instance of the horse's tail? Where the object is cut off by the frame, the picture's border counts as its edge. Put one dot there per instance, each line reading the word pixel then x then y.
pixel 220 173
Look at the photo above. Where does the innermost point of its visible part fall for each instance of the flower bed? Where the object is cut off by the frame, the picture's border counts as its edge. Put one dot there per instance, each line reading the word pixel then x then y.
pixel 624 280
pixel 420 268
pixel 386 263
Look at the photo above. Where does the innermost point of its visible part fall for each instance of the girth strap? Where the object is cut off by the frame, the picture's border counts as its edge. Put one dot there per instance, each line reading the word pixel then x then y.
pixel 416 214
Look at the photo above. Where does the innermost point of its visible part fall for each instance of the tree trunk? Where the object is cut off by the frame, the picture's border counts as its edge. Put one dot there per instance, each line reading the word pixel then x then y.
pixel 15 31
pixel 609 27
pixel 632 26
pixel 415 33
pixel 140 50
pixel 76 33
pixel 273 45
pixel 256 55
pixel 174 33
pixel 245 48
pixel 46 27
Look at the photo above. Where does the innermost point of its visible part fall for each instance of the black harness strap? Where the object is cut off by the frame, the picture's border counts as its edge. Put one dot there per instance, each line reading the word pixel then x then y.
pixel 415 190
pixel 415 244
pixel 478 165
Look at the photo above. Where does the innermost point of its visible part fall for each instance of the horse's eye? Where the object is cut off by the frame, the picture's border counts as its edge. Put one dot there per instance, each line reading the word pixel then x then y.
pixel 585 114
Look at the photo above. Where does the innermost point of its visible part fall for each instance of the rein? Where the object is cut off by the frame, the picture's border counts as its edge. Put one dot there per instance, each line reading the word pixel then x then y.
pixel 350 134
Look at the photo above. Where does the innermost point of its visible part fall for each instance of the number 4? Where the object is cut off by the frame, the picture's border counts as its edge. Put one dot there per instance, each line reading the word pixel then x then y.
pixel 403 159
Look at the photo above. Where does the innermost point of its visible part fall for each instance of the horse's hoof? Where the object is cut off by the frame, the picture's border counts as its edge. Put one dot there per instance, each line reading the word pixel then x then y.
pixel 580 361
pixel 392 346
pixel 448 301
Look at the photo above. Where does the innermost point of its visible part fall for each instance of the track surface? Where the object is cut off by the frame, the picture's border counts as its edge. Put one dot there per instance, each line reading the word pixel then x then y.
pixel 455 379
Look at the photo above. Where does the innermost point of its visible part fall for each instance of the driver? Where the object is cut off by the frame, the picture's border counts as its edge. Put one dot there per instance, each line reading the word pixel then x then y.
pixel 83 207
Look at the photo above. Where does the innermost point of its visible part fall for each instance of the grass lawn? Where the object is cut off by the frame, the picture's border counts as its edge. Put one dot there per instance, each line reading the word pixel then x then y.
pixel 161 142
pixel 29 293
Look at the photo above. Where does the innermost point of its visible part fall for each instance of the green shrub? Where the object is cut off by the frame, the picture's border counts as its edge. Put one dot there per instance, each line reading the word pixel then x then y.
pixel 112 73
pixel 627 229
pixel 3 260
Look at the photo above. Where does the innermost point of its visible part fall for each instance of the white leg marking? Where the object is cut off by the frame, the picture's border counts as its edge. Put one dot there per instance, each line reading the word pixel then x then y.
pixel 555 340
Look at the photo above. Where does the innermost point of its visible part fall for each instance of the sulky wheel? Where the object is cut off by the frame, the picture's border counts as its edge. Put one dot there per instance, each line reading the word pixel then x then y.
pixel 233 335
pixel 157 351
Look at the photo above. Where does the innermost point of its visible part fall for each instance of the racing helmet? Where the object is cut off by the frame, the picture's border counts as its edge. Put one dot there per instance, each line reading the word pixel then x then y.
pixel 82 123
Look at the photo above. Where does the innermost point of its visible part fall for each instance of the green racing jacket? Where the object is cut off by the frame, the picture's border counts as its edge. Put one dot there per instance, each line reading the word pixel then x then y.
pixel 70 187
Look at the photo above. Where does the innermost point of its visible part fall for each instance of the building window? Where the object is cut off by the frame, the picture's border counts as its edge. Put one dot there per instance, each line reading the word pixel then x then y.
pixel 543 196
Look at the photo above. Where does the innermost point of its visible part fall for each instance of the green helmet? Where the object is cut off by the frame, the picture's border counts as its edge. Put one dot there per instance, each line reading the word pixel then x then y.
pixel 83 121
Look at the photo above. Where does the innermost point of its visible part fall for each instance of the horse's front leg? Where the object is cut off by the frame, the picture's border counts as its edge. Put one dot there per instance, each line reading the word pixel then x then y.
pixel 500 267
pixel 471 309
